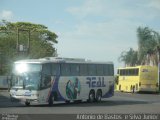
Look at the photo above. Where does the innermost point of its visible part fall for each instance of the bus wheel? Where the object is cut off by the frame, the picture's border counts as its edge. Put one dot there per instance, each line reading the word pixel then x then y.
pixel 67 101
pixel 133 89
pixel 77 101
pixel 27 103
pixel 51 100
pixel 91 96
pixel 11 98
pixel 119 87
pixel 98 95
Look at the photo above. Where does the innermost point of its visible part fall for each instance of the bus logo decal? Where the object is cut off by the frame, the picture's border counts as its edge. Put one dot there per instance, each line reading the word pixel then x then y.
pixel 73 88
pixel 94 82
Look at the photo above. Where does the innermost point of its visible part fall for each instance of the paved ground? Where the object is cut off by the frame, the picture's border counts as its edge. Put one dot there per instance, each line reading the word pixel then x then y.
pixel 120 103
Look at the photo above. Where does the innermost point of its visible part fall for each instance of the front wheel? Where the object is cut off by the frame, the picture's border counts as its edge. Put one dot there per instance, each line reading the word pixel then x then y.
pixel 51 100
pixel 27 103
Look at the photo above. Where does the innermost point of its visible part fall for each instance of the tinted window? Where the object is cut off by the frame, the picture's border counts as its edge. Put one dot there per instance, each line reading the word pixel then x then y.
pixel 129 72
pixel 83 69
pixel 46 81
pixel 55 69
pixel 65 69
pixel 92 70
pixel 46 69
pixel 111 70
pixel 122 72
pixel 46 76
pixel 74 69
pixel 137 71
pixel 105 69
pixel 100 70
pixel 108 70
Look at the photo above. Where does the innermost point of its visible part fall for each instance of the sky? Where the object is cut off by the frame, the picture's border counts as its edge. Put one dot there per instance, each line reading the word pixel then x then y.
pixel 97 30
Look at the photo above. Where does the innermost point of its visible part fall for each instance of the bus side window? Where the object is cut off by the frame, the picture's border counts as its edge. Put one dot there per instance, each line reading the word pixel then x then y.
pixel 100 70
pixel 83 70
pixel 122 72
pixel 106 70
pixel 92 70
pixel 65 69
pixel 74 69
pixel 137 72
pixel 46 76
pixel 111 69
pixel 55 69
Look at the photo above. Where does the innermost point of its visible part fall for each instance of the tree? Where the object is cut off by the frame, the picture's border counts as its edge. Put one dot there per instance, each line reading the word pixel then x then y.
pixel 42 42
pixel 148 49
pixel 148 44
pixel 129 57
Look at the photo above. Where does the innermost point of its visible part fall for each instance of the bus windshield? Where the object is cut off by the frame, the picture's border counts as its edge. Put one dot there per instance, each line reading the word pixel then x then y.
pixel 28 81
pixel 26 76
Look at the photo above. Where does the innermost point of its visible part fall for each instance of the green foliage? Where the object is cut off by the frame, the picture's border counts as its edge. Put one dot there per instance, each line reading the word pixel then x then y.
pixel 41 42
pixel 146 42
pixel 148 47
pixel 129 57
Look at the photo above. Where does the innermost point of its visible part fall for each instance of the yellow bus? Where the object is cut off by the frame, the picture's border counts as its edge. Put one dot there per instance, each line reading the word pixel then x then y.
pixel 137 79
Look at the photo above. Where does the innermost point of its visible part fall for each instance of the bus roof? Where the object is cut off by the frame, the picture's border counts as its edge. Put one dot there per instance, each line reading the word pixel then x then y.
pixel 134 67
pixel 60 60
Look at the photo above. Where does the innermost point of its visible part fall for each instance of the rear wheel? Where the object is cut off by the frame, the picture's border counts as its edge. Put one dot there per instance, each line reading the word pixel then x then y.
pixel 133 89
pixel 119 87
pixel 91 96
pixel 67 101
pixel 98 95
pixel 77 101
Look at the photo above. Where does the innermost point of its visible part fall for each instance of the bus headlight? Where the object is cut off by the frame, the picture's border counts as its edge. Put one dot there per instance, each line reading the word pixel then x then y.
pixel 22 67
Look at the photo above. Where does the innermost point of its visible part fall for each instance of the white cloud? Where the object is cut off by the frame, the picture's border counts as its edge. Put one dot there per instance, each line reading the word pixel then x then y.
pixel 59 22
pixel 154 4
pixel 113 9
pixel 113 33
pixel 90 7
pixel 98 41
pixel 6 14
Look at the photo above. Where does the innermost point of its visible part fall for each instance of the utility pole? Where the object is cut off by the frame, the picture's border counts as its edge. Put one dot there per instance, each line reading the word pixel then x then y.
pixel 23 48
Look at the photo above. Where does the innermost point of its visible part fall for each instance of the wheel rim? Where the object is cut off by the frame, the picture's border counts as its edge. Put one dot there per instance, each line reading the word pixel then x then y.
pixel 27 103
pixel 99 96
pixel 91 97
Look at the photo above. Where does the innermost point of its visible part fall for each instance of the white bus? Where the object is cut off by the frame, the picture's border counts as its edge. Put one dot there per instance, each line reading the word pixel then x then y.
pixel 61 79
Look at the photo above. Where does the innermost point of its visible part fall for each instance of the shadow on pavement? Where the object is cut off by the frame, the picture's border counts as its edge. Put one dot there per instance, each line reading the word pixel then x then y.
pixel 6 102
pixel 100 104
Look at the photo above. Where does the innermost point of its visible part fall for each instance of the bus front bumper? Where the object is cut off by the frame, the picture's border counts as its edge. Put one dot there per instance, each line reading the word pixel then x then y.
pixel 148 89
pixel 23 99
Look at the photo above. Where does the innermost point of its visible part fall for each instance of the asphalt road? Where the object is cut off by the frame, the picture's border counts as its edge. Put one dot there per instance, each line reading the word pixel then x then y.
pixel 121 103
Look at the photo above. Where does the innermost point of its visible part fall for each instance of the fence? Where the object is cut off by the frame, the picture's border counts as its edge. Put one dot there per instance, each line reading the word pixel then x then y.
pixel 4 82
